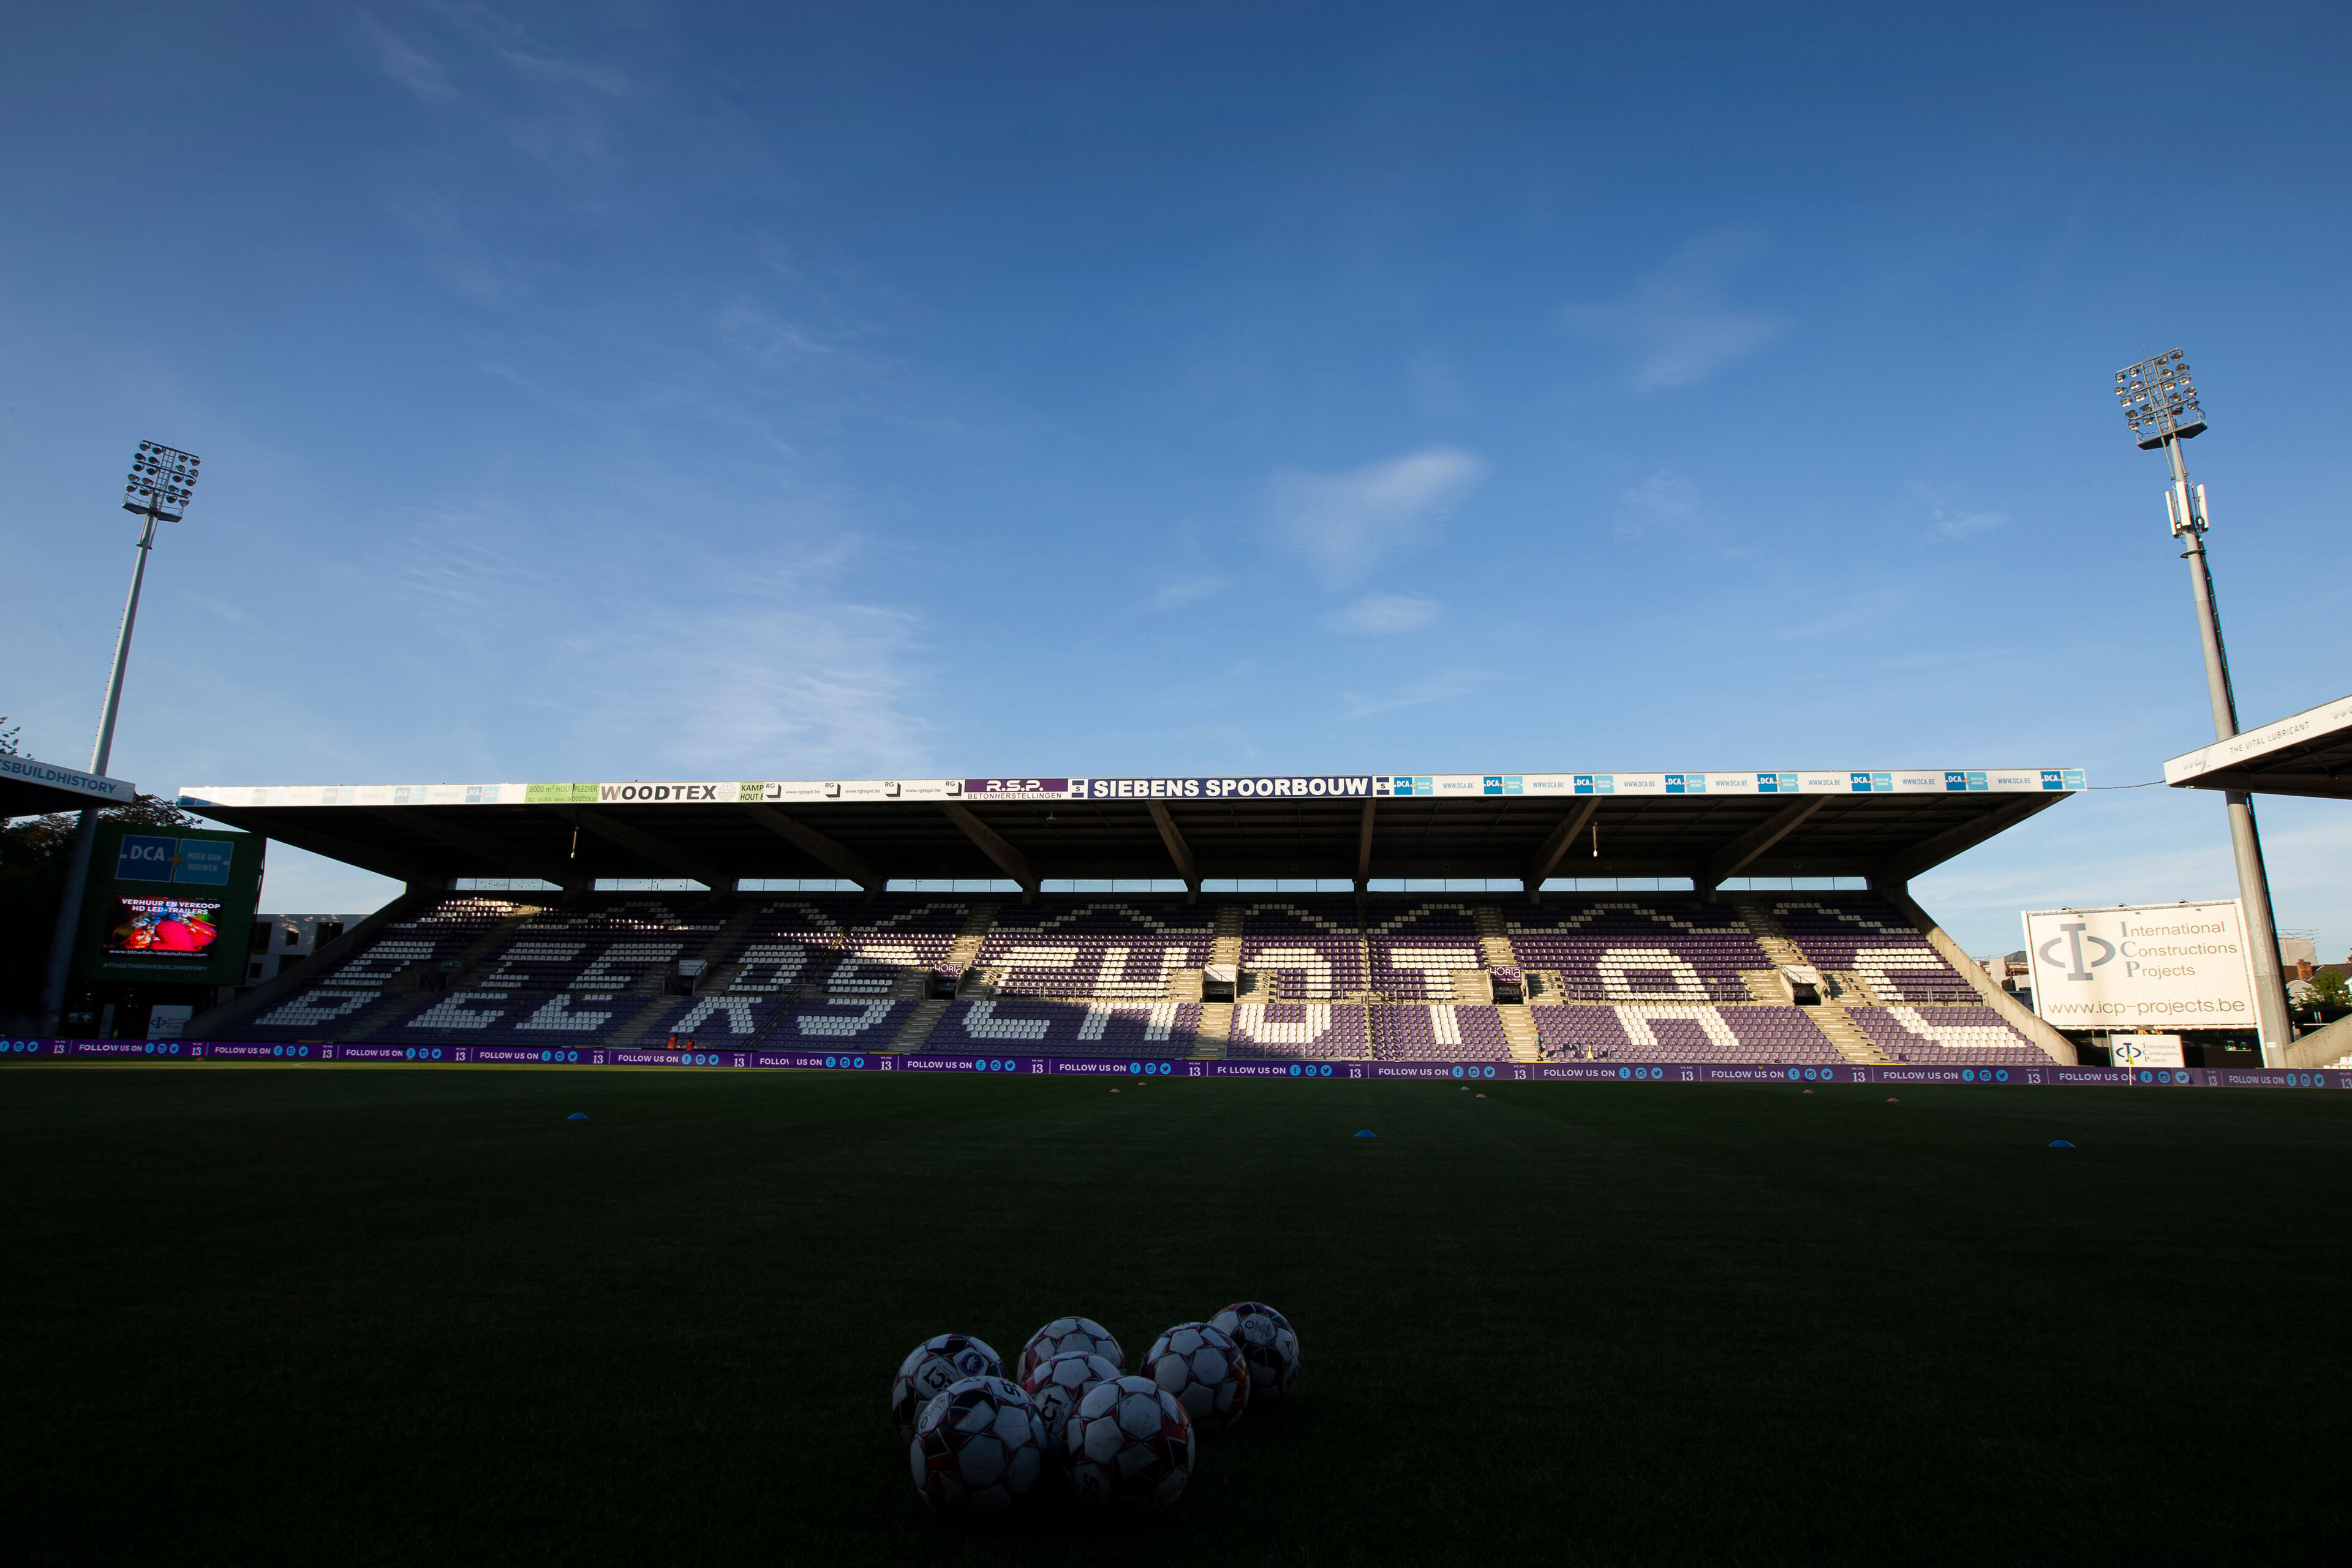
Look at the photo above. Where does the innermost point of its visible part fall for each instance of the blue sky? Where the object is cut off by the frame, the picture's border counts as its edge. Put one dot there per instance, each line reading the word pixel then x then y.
pixel 792 391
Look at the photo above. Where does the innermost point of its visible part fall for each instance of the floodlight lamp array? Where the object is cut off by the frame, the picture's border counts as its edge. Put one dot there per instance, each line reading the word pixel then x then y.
pixel 160 481
pixel 2159 400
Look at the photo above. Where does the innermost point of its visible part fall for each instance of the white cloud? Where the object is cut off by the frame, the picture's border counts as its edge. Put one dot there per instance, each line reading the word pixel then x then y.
pixel 1674 323
pixel 1442 687
pixel 827 686
pixel 1378 615
pixel 1178 591
pixel 465 266
pixel 763 334
pixel 1855 610
pixel 1343 523
pixel 767 675
pixel 404 62
pixel 1656 502
pixel 1949 518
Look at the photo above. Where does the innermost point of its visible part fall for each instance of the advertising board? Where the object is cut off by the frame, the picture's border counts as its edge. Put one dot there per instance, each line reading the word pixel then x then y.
pixel 2176 966
pixel 169 904
pixel 1294 786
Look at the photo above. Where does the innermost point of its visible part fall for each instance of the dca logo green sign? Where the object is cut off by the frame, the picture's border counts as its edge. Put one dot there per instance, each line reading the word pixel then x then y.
pixel 146 857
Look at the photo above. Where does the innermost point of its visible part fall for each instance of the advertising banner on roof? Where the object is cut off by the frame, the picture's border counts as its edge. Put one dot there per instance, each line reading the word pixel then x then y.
pixel 2312 724
pixel 1270 787
pixel 1261 786
pixel 2181 966
pixel 28 770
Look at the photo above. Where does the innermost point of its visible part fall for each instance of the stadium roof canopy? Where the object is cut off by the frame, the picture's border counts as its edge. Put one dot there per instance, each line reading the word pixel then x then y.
pixel 1889 826
pixel 2308 753
pixel 28 787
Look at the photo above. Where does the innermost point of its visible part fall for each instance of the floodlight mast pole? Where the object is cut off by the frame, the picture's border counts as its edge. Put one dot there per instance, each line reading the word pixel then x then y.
pixel 162 477
pixel 2162 403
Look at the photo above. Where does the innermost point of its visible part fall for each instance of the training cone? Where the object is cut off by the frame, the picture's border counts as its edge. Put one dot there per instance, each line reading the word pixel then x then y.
pixel 577 1116
pixel 1368 1132
pixel 2060 1143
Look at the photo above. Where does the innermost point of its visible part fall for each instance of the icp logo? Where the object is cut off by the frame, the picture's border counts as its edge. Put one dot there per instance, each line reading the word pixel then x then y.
pixel 2075 934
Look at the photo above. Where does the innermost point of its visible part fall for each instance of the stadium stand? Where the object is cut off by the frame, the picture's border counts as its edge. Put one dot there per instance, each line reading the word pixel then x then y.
pixel 1611 950
pixel 1871 940
pixel 1682 1032
pixel 1658 978
pixel 1445 1032
pixel 1315 1031
pixel 1947 1037
pixel 1417 947
pixel 1060 1028
pixel 1099 948
pixel 1306 948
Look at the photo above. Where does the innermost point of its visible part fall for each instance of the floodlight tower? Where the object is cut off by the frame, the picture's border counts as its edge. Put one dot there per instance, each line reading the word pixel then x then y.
pixel 158 487
pixel 2159 402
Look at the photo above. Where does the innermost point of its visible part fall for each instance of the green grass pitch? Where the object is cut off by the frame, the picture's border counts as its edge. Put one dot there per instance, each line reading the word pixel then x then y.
pixel 397 1316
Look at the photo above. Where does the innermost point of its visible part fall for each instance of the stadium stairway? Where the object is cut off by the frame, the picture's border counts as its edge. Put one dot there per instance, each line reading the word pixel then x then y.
pixel 1846 1035
pixel 713 979
pixel 974 931
pixel 1226 947
pixel 1770 936
pixel 1216 1028
pixel 1493 938
pixel 1519 1030
pixel 961 954
pixel 1853 991
pixel 920 1022
pixel 367 1020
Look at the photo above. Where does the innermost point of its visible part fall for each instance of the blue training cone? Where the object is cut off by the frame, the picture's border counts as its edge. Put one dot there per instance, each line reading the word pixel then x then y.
pixel 1368 1132
pixel 2060 1143
pixel 577 1116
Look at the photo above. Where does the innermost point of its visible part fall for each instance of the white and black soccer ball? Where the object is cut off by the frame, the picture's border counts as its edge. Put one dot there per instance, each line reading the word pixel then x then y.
pixel 1064 1335
pixel 1267 1342
pixel 935 1365
pixel 977 1448
pixel 1203 1368
pixel 1055 1385
pixel 1128 1447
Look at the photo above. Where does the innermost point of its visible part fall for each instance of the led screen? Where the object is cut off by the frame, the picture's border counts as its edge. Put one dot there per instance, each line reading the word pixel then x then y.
pixel 171 927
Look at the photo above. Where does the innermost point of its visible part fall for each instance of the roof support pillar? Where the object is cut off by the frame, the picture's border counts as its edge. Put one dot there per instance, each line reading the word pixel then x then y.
pixel 1178 850
pixel 835 856
pixel 1753 845
pixel 1364 852
pixel 1555 846
pixel 993 845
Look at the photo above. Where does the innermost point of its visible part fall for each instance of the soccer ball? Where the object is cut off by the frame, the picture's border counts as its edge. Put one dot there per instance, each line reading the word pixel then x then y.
pixel 927 1373
pixel 1128 1447
pixel 1058 1383
pixel 1205 1369
pixel 1268 1344
pixel 1064 1335
pixel 977 1448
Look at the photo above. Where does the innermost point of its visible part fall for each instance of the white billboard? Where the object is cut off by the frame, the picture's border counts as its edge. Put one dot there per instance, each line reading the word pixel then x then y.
pixel 2177 966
